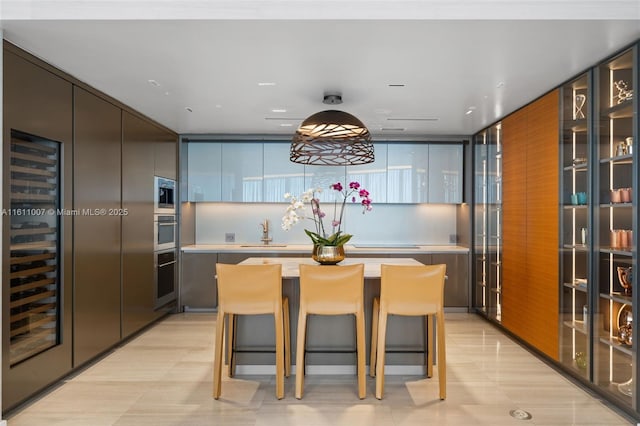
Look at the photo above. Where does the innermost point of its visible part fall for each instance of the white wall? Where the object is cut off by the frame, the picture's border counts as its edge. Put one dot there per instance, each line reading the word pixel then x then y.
pixel 388 223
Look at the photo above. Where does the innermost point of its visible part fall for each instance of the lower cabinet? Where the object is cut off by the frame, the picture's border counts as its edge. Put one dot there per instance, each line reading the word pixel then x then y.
pixel 199 291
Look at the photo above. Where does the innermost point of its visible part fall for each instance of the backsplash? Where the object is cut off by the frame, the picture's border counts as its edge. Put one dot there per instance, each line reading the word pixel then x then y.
pixel 426 224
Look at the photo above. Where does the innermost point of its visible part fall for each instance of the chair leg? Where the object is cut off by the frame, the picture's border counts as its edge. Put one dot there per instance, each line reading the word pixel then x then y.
pixel 382 337
pixel 231 344
pixel 217 355
pixel 428 323
pixel 374 336
pixel 287 337
pixel 279 331
pixel 361 354
pixel 302 327
pixel 442 355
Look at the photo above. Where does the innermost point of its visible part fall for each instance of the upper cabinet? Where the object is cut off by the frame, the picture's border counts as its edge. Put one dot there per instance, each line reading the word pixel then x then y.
pixel 445 174
pixel 261 172
pixel 204 171
pixel 242 172
pixel 372 176
pixel 407 175
pixel 280 174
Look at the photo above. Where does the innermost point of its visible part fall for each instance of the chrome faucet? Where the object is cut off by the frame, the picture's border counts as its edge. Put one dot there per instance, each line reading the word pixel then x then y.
pixel 265 232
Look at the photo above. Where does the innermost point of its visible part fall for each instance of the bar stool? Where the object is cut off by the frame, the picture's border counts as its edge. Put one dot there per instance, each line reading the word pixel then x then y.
pixel 409 290
pixel 251 290
pixel 331 290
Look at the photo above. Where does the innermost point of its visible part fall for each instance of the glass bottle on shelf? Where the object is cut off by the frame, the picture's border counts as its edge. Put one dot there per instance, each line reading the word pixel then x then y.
pixel 575 226
pixel 488 222
pixel 616 220
pixel 34 287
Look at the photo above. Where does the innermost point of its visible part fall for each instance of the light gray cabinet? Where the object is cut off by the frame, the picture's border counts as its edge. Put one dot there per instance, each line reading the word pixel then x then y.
pixel 407 175
pixel 445 174
pixel 205 171
pixel 372 176
pixel 242 172
pixel 252 172
pixel 323 177
pixel 280 174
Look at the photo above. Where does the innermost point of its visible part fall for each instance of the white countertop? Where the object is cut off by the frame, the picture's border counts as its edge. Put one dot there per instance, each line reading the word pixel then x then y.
pixel 306 248
pixel 291 265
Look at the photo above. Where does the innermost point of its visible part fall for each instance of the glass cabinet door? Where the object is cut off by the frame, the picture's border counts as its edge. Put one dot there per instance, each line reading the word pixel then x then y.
pixel 616 218
pixel 575 225
pixel 35 290
pixel 488 222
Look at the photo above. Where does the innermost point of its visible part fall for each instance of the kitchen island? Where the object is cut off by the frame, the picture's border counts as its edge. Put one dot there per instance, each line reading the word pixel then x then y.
pixel 198 287
pixel 330 339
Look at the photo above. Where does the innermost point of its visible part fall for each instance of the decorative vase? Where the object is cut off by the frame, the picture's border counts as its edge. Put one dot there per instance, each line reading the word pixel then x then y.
pixel 625 276
pixel 328 255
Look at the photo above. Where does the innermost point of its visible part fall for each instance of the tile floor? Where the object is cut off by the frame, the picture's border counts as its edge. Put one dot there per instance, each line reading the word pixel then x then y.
pixel 163 377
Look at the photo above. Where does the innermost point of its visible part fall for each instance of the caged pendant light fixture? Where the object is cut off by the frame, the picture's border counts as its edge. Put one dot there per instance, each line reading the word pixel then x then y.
pixel 332 138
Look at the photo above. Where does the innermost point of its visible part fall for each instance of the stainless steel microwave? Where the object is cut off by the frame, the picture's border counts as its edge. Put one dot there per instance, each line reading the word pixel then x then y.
pixel 164 195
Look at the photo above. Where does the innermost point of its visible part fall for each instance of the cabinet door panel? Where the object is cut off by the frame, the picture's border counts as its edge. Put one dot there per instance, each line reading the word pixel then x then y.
pixel 242 172
pixel 372 176
pixel 280 174
pixel 97 156
pixel 137 226
pixel 445 173
pixel 205 171
pixel 407 175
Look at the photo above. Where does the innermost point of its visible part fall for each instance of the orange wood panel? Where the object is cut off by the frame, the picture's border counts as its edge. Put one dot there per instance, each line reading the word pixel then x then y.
pixel 530 224
pixel 542 223
pixel 514 214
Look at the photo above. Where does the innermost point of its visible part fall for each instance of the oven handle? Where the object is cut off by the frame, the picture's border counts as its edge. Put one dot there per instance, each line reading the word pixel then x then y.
pixel 167 264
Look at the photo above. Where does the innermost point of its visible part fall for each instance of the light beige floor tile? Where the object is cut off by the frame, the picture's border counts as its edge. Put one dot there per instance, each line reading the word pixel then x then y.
pixel 164 377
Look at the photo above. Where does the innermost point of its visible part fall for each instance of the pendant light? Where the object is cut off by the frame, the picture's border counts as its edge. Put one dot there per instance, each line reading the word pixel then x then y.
pixel 332 138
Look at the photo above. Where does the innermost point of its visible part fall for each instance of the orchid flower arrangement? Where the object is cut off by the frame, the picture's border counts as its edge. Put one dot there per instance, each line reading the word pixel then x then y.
pixel 296 212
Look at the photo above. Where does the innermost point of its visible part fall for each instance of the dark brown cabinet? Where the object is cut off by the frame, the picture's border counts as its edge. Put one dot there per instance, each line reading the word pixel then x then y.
pixel 138 165
pixel 36 281
pixel 66 294
pixel 96 238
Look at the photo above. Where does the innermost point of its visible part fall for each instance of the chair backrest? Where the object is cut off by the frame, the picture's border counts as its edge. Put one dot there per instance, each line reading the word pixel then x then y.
pixel 332 289
pixel 249 289
pixel 412 289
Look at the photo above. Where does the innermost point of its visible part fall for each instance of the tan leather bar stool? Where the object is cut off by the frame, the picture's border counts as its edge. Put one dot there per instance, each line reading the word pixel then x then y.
pixel 331 290
pixel 409 290
pixel 251 290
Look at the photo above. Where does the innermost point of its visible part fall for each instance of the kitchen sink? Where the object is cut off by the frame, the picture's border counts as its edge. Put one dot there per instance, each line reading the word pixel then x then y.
pixel 263 245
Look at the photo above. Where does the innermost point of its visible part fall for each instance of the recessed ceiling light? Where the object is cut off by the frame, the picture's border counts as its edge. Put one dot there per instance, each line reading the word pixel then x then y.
pixel 266 84
pixel 218 106
pixel 278 110
pixel 153 83
pixel 469 111
pixel 166 93
pixel 286 124
pixel 188 109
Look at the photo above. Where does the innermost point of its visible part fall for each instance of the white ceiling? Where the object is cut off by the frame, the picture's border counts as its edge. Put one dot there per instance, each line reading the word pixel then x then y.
pixel 214 65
